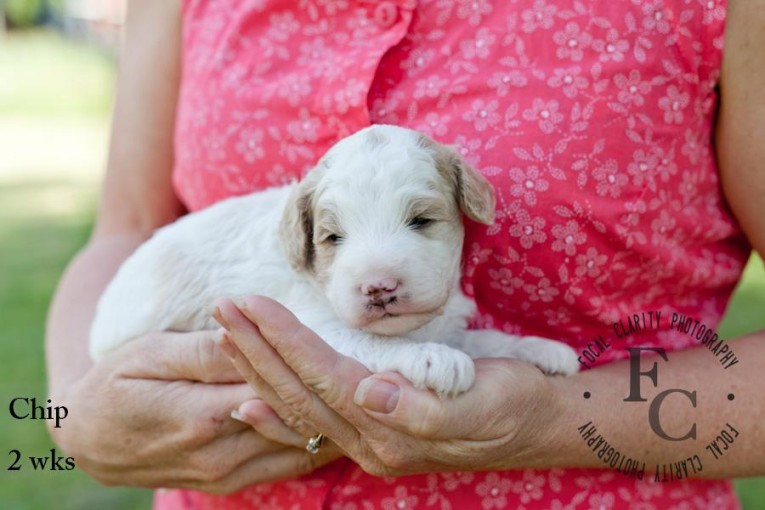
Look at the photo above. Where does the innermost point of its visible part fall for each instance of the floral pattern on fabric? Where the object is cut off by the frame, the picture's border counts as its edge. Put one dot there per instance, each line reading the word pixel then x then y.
pixel 592 119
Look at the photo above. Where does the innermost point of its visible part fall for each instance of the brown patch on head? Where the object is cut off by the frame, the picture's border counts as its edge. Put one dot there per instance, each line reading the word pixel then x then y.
pixel 305 230
pixel 473 192
pixel 296 226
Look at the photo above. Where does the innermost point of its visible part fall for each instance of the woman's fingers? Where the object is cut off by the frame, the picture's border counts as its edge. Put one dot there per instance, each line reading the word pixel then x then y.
pixel 239 327
pixel 289 463
pixel 483 412
pixel 248 462
pixel 266 422
pixel 188 438
pixel 203 412
pixel 264 368
pixel 171 356
pixel 393 401
pixel 278 385
pixel 191 368
pixel 298 354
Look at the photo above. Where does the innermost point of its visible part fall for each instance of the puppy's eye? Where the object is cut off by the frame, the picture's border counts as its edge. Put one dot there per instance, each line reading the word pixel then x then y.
pixel 419 222
pixel 333 239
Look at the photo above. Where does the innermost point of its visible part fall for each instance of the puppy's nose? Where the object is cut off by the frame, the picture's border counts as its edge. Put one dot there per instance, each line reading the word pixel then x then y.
pixel 379 287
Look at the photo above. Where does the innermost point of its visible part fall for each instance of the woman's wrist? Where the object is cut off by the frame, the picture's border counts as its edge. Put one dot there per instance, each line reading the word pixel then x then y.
pixel 551 431
pixel 563 449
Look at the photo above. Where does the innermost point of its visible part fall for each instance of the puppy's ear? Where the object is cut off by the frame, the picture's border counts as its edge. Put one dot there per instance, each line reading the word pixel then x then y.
pixel 296 226
pixel 475 195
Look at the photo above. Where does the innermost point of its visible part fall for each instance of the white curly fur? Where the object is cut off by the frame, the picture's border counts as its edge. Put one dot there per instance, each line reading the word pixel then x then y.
pixel 385 292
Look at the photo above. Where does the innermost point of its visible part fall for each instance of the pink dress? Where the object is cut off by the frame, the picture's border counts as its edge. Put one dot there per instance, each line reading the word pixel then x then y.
pixel 592 119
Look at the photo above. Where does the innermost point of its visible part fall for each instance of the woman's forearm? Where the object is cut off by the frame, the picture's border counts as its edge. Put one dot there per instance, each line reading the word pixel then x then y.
pixel 138 195
pixel 699 419
pixel 74 305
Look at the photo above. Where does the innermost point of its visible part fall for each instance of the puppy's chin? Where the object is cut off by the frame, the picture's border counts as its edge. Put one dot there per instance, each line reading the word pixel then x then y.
pixel 397 325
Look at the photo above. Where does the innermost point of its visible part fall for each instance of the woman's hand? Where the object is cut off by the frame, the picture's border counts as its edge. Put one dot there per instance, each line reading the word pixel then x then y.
pixel 501 422
pixel 157 413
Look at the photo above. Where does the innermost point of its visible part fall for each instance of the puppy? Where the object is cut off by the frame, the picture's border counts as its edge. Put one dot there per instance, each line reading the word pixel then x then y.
pixel 365 251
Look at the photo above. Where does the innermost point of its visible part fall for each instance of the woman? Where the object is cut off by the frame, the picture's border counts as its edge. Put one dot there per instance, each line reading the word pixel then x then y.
pixel 594 121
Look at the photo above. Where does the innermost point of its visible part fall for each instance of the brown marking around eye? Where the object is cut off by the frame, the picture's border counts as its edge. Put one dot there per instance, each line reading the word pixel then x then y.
pixel 324 251
pixel 326 224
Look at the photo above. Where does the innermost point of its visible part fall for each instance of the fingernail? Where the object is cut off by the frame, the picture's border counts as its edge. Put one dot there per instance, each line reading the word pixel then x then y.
pixel 224 342
pixel 377 395
pixel 235 414
pixel 218 316
pixel 249 407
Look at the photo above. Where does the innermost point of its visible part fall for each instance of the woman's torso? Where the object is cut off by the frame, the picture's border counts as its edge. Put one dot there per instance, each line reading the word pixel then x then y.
pixel 592 119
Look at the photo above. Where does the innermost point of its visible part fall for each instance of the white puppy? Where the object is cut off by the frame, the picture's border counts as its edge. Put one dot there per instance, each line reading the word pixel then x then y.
pixel 365 251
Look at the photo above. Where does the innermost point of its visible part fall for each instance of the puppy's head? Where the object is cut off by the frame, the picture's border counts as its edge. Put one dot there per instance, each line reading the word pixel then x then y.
pixel 377 224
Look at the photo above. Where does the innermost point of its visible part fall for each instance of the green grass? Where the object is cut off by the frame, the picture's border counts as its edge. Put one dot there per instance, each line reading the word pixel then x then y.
pixel 54 105
pixel 34 252
pixel 43 75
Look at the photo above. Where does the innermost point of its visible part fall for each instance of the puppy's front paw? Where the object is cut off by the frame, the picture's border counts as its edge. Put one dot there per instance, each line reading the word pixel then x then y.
pixel 549 355
pixel 441 368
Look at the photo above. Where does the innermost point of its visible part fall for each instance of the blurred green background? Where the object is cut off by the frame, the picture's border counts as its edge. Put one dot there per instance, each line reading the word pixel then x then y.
pixel 55 100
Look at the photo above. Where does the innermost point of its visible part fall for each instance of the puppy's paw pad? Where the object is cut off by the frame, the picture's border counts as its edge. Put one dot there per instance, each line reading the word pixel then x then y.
pixel 550 356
